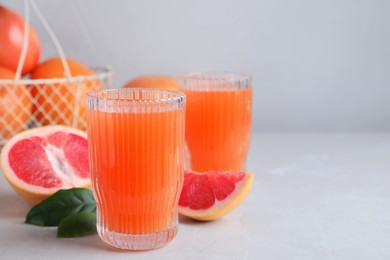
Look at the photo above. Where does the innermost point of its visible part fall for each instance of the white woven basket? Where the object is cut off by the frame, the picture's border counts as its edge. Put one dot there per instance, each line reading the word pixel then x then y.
pixel 29 103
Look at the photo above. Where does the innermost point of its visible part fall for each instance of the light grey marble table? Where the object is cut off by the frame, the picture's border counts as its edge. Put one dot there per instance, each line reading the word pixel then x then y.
pixel 314 196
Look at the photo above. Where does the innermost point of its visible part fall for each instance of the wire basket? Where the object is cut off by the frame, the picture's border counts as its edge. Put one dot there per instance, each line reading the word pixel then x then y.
pixel 29 103
pixel 26 104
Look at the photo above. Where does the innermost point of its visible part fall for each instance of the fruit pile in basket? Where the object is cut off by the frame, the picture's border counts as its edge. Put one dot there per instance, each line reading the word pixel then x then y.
pixel 36 92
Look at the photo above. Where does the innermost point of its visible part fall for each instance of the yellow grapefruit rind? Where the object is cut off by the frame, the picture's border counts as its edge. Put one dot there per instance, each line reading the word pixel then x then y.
pixel 31 193
pixel 222 208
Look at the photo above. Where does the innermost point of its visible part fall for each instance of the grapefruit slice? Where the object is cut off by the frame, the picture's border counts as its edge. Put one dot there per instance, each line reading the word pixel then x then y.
pixel 211 195
pixel 41 161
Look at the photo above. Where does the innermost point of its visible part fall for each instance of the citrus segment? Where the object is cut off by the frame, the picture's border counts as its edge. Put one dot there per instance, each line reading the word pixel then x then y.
pixel 211 195
pixel 39 162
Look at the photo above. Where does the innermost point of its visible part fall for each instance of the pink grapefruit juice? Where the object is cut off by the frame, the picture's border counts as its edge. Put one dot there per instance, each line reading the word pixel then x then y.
pixel 135 142
pixel 135 174
pixel 218 128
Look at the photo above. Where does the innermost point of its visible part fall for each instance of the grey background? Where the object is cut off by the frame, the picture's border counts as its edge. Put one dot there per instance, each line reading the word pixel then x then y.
pixel 319 66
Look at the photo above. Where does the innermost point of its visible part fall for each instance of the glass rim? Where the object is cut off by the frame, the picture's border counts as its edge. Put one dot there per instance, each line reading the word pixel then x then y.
pixel 215 81
pixel 226 76
pixel 102 95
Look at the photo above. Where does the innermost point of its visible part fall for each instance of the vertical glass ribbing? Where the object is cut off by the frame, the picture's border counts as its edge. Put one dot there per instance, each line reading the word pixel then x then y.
pixel 218 120
pixel 136 139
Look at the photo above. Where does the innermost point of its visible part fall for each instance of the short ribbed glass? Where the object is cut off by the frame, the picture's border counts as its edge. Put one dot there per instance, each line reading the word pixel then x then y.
pixel 218 120
pixel 136 141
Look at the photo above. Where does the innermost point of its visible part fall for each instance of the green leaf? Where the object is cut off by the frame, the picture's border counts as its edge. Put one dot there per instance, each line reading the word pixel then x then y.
pixel 60 205
pixel 77 225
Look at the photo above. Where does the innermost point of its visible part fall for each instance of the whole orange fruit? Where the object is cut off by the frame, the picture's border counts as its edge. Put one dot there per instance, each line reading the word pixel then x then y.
pixel 61 103
pixel 15 106
pixel 152 81
pixel 11 42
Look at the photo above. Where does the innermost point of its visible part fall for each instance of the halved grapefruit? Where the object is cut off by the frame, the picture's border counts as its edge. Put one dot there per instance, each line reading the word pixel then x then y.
pixel 41 161
pixel 211 195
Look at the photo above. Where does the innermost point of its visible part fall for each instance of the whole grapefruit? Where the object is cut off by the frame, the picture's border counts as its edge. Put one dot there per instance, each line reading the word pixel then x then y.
pixel 15 106
pixel 61 103
pixel 152 81
pixel 11 42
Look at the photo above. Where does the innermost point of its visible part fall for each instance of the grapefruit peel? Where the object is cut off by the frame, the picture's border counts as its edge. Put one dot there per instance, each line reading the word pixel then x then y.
pixel 65 172
pixel 219 204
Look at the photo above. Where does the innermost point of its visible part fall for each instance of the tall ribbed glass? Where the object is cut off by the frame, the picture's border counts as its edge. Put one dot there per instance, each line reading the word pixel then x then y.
pixel 218 120
pixel 136 140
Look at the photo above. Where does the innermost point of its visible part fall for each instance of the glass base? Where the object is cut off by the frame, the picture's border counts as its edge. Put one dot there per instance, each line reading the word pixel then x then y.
pixel 137 242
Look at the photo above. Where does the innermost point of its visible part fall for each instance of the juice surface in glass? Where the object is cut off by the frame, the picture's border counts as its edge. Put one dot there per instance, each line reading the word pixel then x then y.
pixel 137 173
pixel 218 128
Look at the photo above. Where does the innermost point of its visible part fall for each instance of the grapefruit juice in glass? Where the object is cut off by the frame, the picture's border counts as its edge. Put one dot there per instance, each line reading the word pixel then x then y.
pixel 218 120
pixel 136 140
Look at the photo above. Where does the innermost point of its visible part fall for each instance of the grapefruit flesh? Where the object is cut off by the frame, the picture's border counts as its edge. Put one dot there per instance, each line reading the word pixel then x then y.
pixel 39 162
pixel 211 195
